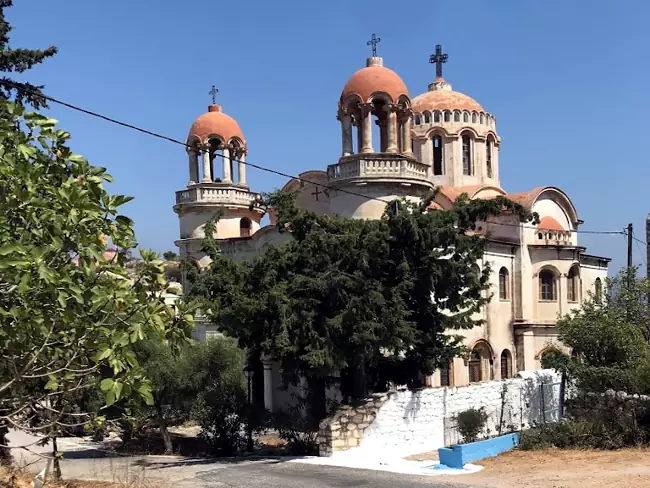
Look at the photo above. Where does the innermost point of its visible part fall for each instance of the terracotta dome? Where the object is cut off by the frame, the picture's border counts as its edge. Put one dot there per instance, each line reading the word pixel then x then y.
pixel 549 223
pixel 372 79
pixel 215 123
pixel 441 97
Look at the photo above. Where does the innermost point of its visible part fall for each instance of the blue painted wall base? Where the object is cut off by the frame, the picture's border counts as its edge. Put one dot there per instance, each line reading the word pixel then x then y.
pixel 457 456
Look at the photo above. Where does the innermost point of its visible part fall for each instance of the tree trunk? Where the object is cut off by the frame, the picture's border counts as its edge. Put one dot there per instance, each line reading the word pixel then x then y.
pixel 162 425
pixel 57 460
pixel 317 398
pixel 358 379
pixel 5 453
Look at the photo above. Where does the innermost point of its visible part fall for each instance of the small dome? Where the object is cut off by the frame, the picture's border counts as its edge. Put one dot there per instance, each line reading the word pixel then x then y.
pixel 372 79
pixel 549 223
pixel 215 123
pixel 441 97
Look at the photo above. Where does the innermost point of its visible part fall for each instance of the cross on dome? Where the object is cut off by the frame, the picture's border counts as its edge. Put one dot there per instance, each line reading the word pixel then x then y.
pixel 438 59
pixel 214 92
pixel 373 42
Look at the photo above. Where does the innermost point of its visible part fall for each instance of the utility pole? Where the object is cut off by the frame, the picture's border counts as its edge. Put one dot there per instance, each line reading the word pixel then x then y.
pixel 630 236
pixel 647 247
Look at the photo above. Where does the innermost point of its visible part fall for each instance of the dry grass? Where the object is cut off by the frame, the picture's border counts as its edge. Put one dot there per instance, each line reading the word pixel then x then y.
pixel 554 468
pixel 22 479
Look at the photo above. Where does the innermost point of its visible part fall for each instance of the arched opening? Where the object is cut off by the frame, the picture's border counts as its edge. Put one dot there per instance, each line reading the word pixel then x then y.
pixel 547 286
pixel 482 119
pixel 466 117
pixel 437 155
pixel 234 162
pixel 427 118
pixel 488 156
pixel 598 290
pixel 504 284
pixel 447 116
pixel 506 364
pixel 474 118
pixel 418 120
pixel 436 116
pixel 479 363
pixel 446 373
pixel 457 116
pixel 379 126
pixel 245 227
pixel 216 160
pixel 467 155
pixel 573 284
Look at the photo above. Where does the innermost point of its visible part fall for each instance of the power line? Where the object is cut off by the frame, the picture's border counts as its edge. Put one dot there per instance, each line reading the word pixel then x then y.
pixel 638 243
pixel 247 163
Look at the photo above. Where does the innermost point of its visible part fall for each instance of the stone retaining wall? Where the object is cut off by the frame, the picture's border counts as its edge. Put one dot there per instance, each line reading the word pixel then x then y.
pixel 414 421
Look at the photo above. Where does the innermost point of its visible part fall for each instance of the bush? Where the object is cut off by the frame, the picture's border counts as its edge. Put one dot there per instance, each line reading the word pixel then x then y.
pixel 470 423
pixel 298 428
pixel 582 434
pixel 221 403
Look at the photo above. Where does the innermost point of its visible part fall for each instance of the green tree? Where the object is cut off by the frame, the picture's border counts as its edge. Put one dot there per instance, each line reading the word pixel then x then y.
pixel 19 61
pixel 169 255
pixel 343 294
pixel 69 315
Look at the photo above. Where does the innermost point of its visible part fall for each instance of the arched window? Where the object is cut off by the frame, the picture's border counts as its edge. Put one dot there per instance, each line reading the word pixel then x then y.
pixel 488 157
pixel 467 156
pixel 437 155
pixel 436 116
pixel 573 282
pixel 418 120
pixel 547 285
pixel 456 116
pixel 598 291
pixel 482 119
pixel 479 363
pixel 465 116
pixel 506 364
pixel 427 118
pixel 244 227
pixel 474 118
pixel 446 373
pixel 504 284
pixel 447 116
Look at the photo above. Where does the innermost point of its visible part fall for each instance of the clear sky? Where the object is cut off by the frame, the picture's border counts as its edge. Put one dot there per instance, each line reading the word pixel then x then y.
pixel 567 80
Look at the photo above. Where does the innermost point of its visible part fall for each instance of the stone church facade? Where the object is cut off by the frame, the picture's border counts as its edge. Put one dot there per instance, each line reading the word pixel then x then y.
pixel 441 138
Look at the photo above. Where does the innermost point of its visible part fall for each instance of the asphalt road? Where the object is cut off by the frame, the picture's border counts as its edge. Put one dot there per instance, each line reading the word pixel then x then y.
pixel 86 461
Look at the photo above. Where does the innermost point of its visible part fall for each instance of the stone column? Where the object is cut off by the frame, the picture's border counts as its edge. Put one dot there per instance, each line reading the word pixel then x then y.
pixel 194 166
pixel 407 142
pixel 529 350
pixel 391 130
pixel 366 128
pixel 242 167
pixel 207 176
pixel 383 134
pixel 346 133
pixel 268 384
pixel 227 177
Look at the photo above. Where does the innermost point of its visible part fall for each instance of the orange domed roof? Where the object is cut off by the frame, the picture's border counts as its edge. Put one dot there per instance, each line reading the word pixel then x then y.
pixel 215 123
pixel 441 97
pixel 549 223
pixel 372 79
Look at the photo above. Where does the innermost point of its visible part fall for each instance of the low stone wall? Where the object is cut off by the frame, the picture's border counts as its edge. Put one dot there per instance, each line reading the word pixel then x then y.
pixel 408 422
pixel 610 404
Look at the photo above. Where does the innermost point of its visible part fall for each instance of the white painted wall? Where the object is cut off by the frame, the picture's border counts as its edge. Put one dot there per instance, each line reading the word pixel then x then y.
pixel 412 422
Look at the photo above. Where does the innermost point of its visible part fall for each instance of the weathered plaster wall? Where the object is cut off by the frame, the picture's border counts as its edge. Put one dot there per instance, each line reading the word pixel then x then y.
pixel 409 422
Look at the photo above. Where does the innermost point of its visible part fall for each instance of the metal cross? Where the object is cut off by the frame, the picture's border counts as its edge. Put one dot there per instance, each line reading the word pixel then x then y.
pixel 373 42
pixel 316 193
pixel 438 59
pixel 214 92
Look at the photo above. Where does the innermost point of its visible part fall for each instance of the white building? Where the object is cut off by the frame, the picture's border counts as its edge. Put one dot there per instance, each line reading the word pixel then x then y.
pixel 441 138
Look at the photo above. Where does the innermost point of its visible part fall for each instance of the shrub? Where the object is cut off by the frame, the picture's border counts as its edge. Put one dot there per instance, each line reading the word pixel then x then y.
pixel 470 423
pixel 298 428
pixel 221 403
pixel 582 434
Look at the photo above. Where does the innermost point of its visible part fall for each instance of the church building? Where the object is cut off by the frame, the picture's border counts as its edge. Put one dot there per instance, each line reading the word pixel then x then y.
pixel 441 138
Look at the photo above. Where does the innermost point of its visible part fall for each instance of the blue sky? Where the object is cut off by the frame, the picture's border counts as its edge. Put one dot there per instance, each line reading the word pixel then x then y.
pixel 567 80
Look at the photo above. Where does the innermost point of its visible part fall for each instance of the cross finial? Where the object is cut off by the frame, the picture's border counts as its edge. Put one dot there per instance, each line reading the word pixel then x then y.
pixel 438 59
pixel 373 42
pixel 214 92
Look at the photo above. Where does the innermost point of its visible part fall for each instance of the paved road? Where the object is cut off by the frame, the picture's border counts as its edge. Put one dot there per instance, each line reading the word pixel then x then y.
pixel 85 461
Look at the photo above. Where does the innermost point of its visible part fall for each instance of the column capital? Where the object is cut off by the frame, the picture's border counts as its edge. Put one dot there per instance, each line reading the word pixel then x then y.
pixel 366 108
pixel 392 108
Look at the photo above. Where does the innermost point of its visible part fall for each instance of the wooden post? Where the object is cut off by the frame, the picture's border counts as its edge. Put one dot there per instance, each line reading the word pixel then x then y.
pixel 630 237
